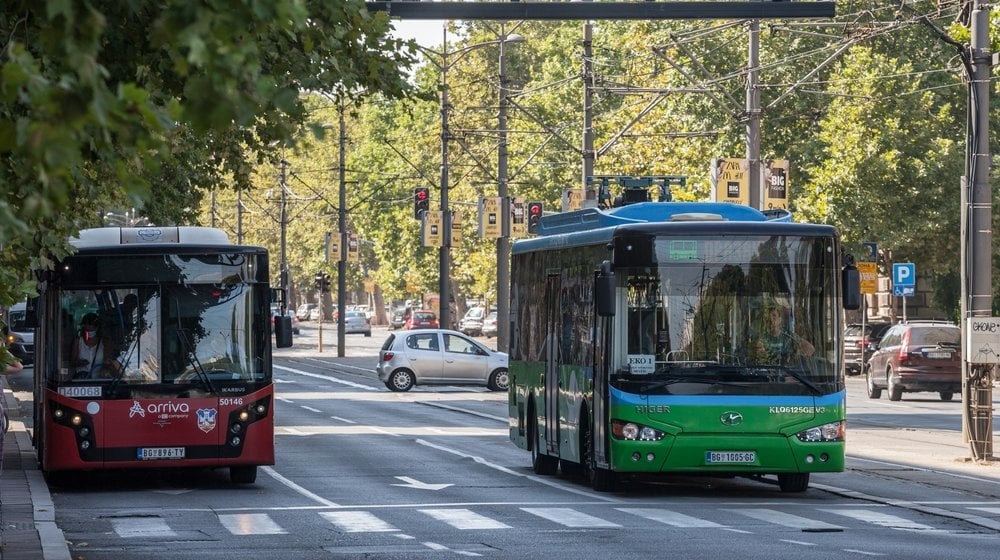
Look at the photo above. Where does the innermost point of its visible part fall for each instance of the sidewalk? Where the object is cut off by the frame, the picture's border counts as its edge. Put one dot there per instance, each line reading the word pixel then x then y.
pixel 27 516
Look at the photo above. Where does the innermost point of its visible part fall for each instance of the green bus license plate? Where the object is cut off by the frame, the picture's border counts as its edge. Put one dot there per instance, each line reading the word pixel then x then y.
pixel 153 453
pixel 739 457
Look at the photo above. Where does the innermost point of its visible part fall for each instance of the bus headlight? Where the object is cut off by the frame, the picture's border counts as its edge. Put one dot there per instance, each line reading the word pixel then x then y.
pixel 634 432
pixel 834 431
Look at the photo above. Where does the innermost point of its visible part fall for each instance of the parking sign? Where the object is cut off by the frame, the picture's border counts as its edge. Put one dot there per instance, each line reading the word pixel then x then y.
pixel 904 279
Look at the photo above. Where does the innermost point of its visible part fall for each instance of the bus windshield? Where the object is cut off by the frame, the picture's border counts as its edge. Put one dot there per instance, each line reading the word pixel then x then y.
pixel 711 315
pixel 178 334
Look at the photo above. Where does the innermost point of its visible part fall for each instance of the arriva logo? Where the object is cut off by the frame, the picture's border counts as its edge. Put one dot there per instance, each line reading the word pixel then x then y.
pixel 158 408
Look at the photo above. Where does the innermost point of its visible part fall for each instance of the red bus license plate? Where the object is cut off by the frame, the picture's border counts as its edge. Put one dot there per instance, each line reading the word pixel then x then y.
pixel 152 453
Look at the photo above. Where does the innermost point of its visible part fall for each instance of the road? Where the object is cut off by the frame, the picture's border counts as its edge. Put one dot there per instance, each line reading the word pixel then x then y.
pixel 366 473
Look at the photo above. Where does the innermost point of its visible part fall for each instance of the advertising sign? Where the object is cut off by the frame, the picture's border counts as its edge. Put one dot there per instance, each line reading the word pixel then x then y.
pixel 731 180
pixel 775 184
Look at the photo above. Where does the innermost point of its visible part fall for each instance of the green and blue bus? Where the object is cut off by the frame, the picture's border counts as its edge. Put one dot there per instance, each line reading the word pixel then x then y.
pixel 635 345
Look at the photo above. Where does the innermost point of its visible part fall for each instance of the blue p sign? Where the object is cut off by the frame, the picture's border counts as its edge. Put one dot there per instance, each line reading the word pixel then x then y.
pixel 904 274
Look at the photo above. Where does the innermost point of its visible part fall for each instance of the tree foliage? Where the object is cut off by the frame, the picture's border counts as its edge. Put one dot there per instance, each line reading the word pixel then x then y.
pixel 107 105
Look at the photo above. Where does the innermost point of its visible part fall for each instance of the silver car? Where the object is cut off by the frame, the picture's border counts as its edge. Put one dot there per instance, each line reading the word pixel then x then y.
pixel 357 322
pixel 439 357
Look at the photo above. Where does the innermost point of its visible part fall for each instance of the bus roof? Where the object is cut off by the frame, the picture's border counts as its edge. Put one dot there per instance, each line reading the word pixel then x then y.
pixel 178 235
pixel 591 225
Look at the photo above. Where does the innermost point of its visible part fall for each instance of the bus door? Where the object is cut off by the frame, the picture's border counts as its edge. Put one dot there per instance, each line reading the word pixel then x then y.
pixel 553 322
pixel 600 419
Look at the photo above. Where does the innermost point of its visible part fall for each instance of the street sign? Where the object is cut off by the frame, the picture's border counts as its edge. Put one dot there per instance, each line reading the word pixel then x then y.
pixel 903 291
pixel 869 277
pixel 983 340
pixel 904 275
pixel 872 250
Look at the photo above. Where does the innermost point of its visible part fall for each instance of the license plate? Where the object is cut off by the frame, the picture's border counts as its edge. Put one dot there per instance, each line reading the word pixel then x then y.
pixel 939 355
pixel 153 453
pixel 737 457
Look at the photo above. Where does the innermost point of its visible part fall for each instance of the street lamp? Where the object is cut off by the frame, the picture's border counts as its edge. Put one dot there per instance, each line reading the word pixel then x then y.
pixel 444 271
pixel 503 243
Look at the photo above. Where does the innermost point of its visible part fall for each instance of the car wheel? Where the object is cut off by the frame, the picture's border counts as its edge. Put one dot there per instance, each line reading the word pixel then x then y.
pixel 895 391
pixel 873 391
pixel 400 381
pixel 946 396
pixel 368 333
pixel 499 380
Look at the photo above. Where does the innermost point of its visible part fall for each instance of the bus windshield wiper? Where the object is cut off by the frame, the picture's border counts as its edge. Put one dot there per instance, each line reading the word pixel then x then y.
pixel 752 370
pixel 195 363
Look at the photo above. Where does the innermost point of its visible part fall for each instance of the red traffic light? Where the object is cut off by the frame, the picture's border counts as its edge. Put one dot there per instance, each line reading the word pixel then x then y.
pixel 421 194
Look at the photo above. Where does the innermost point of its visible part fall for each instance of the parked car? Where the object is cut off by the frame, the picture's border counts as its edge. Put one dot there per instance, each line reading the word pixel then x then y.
pixel 304 312
pixel 357 322
pixel 472 323
pixel 857 346
pixel 422 319
pixel 917 356
pixel 397 319
pixel 19 338
pixel 291 314
pixel 490 325
pixel 439 357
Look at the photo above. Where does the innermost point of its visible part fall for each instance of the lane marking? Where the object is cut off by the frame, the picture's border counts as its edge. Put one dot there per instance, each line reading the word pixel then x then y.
pixel 672 518
pixel 300 490
pixel 142 528
pixel 464 519
pixel 358 522
pixel 784 519
pixel 882 519
pixel 327 378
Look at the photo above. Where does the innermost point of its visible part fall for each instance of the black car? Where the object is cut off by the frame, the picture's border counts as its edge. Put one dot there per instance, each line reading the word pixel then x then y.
pixel 856 345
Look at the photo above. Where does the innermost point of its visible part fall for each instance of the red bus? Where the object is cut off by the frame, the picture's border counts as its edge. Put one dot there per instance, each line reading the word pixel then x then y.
pixel 153 350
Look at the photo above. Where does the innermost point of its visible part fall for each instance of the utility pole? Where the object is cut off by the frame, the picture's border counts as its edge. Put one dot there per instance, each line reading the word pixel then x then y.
pixel 588 114
pixel 342 224
pixel 977 379
pixel 503 243
pixel 753 115
pixel 444 271
pixel 283 213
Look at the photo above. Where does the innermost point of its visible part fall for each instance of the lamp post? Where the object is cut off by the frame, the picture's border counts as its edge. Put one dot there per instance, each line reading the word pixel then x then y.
pixel 444 270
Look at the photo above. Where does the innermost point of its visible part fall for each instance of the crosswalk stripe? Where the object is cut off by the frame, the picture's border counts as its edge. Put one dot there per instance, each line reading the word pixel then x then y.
pixel 251 524
pixel 785 519
pixel 987 509
pixel 357 522
pixel 670 517
pixel 464 519
pixel 881 519
pixel 570 517
pixel 143 527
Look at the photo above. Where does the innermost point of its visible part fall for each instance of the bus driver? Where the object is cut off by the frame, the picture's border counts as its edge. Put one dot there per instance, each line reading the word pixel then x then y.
pixel 91 353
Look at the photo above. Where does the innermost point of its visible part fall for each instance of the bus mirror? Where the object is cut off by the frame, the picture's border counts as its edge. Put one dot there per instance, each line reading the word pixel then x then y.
pixel 851 284
pixel 605 291
pixel 283 331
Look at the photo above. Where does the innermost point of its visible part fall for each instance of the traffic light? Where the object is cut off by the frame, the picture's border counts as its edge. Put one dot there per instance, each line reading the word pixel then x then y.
pixel 319 280
pixel 326 282
pixel 534 216
pixel 421 201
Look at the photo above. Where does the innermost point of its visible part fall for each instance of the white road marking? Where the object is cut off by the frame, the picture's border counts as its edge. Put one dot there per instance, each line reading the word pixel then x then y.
pixel 784 519
pixel 569 517
pixel 251 524
pixel 358 522
pixel 328 378
pixel 300 490
pixel 668 517
pixel 464 519
pixel 142 528
pixel 881 519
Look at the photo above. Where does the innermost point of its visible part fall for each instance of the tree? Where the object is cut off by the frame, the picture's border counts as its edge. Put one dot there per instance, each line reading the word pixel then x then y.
pixel 109 104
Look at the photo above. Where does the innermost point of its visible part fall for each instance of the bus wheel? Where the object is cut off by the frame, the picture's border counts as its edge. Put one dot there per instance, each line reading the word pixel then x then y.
pixel 400 381
pixel 243 475
pixel 541 464
pixel 793 482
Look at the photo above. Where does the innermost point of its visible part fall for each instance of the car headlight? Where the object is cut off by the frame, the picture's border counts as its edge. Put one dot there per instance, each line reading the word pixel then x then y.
pixel 834 431
pixel 634 432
